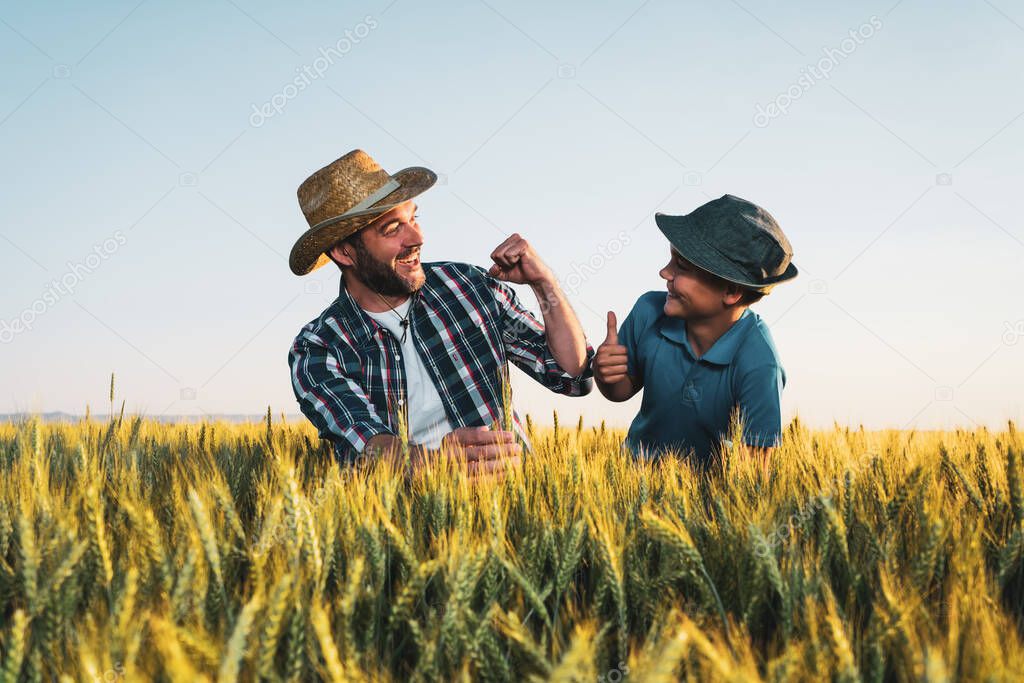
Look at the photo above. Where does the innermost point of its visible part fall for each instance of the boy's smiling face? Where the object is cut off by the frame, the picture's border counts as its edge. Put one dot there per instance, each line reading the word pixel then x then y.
pixel 694 293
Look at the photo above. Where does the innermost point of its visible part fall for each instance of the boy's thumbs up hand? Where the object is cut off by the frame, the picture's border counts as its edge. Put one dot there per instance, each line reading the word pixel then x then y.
pixel 613 330
pixel 610 361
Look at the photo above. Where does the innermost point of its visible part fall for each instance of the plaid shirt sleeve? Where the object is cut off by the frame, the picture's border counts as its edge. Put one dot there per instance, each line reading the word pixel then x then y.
pixel 330 396
pixel 527 345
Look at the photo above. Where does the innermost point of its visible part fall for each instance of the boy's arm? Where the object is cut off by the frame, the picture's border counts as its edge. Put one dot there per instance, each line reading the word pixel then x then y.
pixel 760 402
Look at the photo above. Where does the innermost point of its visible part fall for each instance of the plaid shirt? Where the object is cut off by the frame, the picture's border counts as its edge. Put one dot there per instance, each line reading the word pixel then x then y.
pixel 349 380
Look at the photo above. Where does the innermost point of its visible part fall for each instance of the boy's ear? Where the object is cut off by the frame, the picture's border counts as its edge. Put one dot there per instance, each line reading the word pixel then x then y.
pixel 732 294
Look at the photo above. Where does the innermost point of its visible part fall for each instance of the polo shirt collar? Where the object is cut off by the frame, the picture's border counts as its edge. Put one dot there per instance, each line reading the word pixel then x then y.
pixel 722 351
pixel 673 329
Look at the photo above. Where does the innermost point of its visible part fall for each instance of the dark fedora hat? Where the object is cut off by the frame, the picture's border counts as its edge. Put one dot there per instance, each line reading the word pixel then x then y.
pixel 734 239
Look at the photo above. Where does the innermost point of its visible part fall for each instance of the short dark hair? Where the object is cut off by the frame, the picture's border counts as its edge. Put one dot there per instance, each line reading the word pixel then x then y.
pixel 747 295
pixel 751 296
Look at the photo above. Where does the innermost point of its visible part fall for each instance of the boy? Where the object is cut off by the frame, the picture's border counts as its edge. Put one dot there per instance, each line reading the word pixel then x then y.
pixel 696 349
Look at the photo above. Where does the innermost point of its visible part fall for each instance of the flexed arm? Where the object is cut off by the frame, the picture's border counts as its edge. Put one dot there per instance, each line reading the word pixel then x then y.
pixel 515 260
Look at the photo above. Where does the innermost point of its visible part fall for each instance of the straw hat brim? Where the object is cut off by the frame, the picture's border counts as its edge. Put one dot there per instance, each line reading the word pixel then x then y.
pixel 307 253
pixel 683 237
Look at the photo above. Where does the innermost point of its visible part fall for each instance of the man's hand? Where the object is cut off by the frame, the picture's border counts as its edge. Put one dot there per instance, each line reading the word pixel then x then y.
pixel 488 452
pixel 516 261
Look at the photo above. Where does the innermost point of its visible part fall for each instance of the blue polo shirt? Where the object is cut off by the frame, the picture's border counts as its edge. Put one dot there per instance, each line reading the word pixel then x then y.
pixel 687 401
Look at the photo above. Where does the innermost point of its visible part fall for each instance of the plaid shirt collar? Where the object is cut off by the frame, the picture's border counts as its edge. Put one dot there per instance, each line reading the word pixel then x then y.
pixel 363 328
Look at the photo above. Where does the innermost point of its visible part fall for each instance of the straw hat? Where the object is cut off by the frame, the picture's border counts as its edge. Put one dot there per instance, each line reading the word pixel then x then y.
pixel 344 196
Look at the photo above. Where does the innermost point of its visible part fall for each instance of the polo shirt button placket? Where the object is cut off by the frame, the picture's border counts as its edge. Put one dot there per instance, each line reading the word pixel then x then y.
pixel 692 392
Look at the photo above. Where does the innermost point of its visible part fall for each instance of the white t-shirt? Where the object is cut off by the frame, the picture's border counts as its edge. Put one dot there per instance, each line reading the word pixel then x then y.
pixel 428 422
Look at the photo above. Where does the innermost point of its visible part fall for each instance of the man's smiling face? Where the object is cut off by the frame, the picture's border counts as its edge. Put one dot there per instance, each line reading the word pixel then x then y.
pixel 386 254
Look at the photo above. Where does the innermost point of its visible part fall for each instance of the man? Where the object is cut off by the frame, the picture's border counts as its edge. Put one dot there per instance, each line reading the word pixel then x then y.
pixel 419 347
pixel 697 350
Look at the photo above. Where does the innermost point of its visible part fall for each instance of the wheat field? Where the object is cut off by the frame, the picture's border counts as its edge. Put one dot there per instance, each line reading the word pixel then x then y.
pixel 132 550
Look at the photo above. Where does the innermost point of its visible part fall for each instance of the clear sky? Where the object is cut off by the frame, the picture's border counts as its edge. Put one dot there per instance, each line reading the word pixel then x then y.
pixel 152 152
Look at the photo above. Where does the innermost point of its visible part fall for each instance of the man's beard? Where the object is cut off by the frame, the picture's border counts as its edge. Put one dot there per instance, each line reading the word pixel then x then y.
pixel 380 276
